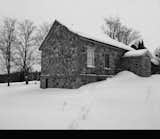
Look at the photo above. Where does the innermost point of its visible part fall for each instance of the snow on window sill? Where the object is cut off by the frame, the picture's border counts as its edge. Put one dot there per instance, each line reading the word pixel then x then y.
pixel 107 68
pixel 90 66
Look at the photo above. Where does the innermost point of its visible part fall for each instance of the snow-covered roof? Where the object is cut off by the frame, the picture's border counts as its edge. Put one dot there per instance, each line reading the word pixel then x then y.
pixel 136 53
pixel 100 37
pixel 104 39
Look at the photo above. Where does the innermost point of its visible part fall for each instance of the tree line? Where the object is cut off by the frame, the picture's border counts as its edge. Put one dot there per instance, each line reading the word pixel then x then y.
pixel 114 28
pixel 19 43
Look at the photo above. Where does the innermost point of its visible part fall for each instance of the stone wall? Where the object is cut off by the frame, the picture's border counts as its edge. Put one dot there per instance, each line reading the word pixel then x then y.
pixel 61 55
pixel 60 59
pixel 69 82
pixel 139 65
pixel 100 50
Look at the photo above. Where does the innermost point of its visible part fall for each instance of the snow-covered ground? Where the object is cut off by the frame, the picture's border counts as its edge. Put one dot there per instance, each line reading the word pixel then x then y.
pixel 125 101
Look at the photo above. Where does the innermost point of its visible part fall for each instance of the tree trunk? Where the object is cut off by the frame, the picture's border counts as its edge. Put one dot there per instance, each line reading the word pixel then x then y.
pixel 8 66
pixel 8 80
pixel 26 77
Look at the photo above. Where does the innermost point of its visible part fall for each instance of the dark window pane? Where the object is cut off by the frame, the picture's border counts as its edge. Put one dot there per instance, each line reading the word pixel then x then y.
pixel 107 61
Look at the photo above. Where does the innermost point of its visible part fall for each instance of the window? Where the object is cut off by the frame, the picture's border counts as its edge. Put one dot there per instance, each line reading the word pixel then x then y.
pixel 106 61
pixel 90 57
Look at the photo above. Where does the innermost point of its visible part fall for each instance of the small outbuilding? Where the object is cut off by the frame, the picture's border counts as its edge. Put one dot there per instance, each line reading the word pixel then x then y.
pixel 137 61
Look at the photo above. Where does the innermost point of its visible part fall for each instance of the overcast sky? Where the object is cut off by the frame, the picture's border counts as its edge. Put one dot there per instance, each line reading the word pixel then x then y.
pixel 88 15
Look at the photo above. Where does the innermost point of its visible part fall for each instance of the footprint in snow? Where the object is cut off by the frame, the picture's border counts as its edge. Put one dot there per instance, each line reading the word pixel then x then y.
pixel 64 105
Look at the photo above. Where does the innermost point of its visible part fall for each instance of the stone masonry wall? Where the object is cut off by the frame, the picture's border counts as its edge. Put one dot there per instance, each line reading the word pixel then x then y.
pixel 140 65
pixel 100 51
pixel 60 59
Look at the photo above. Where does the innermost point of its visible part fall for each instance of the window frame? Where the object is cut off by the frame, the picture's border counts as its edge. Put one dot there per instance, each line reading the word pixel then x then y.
pixel 107 66
pixel 90 57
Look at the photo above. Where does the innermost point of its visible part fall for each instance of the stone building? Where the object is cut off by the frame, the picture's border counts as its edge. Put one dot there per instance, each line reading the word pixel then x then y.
pixel 70 59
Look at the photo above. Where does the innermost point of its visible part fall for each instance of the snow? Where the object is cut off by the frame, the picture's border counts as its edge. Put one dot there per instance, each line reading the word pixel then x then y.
pixel 36 67
pixel 135 53
pixel 125 101
pixel 107 40
pixel 141 52
pixel 155 61
pixel 101 37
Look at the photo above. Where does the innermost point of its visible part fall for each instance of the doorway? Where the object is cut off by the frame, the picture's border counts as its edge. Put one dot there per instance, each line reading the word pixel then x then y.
pixel 46 83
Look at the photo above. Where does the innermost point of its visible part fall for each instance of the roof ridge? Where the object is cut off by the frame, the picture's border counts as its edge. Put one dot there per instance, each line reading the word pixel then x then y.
pixel 88 36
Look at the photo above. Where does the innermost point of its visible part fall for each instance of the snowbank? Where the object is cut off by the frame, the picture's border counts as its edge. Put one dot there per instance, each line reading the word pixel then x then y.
pixel 125 101
pixel 126 74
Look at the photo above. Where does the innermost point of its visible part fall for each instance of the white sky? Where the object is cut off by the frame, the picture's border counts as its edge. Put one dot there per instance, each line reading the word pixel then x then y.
pixel 87 15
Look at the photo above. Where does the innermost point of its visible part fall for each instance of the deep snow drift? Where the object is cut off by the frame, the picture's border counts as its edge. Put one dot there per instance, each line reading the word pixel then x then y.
pixel 125 101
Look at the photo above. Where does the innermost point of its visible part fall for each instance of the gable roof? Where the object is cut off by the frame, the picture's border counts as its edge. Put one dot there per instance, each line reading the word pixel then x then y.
pixel 47 36
pixel 101 38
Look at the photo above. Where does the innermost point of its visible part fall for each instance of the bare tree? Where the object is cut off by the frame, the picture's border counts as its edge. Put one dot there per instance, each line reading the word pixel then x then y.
pixel 116 30
pixel 24 58
pixel 42 32
pixel 157 53
pixel 7 40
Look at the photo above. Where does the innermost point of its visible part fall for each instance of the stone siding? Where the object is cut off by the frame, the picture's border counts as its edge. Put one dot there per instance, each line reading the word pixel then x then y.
pixel 139 65
pixel 100 51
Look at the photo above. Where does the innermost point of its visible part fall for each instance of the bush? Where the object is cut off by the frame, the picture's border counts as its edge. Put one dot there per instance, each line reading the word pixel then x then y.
pixel 19 77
